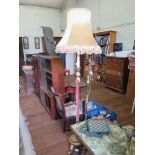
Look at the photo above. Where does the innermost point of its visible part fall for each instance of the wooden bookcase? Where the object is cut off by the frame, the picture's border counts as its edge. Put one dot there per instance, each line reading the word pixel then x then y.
pixel 105 40
pixel 52 74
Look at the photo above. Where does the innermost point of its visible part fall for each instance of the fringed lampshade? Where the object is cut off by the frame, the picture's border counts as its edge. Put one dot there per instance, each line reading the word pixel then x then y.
pixel 78 38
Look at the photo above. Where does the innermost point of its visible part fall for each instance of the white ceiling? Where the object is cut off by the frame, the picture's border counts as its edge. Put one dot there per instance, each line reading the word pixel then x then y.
pixel 57 4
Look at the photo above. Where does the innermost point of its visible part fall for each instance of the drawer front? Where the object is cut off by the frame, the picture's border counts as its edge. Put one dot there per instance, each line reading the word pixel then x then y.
pixel 113 81
pixel 116 64
pixel 113 72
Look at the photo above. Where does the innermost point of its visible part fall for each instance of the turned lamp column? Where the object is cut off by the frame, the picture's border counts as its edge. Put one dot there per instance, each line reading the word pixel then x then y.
pixel 78 38
pixel 77 87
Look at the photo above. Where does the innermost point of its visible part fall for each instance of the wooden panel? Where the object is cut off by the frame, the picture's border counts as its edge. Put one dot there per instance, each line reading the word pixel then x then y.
pixel 131 87
pixel 114 82
pixel 116 64
pixel 112 40
pixel 47 135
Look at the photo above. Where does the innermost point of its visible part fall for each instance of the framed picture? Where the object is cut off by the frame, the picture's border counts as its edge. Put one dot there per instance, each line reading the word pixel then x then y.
pixel 37 42
pixel 25 43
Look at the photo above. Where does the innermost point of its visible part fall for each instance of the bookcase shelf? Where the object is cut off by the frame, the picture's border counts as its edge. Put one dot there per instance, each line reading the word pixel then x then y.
pixel 106 40
pixel 52 74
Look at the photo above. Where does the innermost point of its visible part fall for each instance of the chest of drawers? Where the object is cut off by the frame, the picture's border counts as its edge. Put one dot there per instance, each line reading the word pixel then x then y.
pixel 116 73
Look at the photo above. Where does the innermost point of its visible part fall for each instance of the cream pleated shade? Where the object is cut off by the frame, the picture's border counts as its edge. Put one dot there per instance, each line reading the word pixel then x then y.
pixel 78 37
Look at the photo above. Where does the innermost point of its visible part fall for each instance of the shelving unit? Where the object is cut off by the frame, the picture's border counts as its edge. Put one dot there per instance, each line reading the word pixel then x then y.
pixel 52 74
pixel 106 40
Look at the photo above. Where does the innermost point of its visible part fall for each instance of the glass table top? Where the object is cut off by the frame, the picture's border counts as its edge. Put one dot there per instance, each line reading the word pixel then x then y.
pixel 101 146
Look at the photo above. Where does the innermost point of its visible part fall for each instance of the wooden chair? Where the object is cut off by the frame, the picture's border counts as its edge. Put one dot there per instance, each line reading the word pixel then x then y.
pixel 67 111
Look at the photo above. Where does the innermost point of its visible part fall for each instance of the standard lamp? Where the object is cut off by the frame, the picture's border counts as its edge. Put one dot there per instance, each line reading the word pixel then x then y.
pixel 78 38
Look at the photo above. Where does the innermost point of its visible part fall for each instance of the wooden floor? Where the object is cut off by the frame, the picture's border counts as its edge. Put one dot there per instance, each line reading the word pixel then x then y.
pixel 47 135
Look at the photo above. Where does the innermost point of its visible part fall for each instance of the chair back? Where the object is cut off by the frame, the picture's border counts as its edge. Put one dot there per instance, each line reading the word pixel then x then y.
pixel 59 102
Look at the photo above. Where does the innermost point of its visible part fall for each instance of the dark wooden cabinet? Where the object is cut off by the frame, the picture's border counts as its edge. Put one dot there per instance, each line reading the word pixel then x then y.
pixel 116 73
pixel 21 57
pixel 52 74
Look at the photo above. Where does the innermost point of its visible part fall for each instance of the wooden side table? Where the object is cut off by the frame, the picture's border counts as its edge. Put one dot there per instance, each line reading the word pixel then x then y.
pixel 100 146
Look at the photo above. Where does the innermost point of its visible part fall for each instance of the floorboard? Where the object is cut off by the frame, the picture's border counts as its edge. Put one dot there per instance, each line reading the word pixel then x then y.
pixel 47 135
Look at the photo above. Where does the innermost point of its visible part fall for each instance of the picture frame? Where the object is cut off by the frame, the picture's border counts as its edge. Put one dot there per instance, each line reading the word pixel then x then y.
pixel 25 42
pixel 37 42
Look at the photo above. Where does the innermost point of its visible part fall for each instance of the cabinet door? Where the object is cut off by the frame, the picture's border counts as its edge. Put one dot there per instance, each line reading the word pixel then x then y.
pixel 114 82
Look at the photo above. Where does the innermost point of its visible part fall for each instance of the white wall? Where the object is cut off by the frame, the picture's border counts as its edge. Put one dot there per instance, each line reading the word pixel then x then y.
pixel 30 20
pixel 71 62
pixel 118 15
pixel 70 58
pixel 63 14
